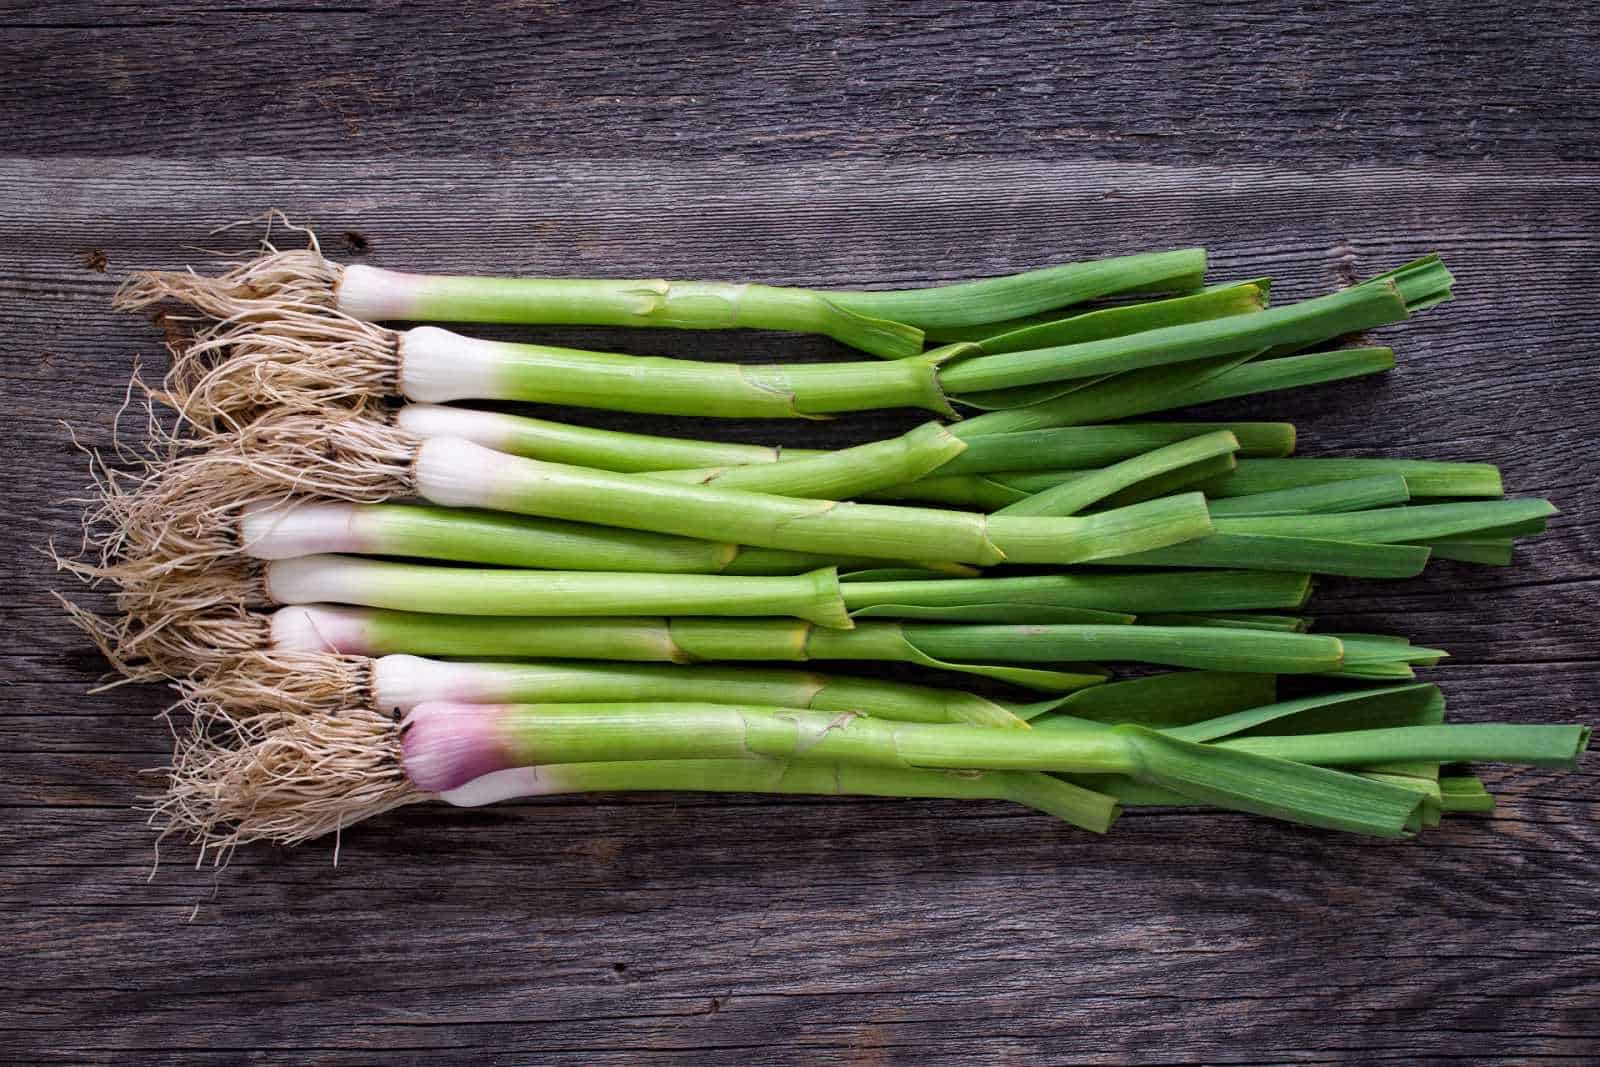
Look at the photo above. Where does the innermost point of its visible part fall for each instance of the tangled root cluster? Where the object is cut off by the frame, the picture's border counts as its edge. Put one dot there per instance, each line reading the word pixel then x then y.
pixel 267 334
pixel 308 776
pixel 276 395
pixel 261 286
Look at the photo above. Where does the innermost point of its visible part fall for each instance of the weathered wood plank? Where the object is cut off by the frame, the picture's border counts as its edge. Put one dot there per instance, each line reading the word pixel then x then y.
pixel 747 931
pixel 934 80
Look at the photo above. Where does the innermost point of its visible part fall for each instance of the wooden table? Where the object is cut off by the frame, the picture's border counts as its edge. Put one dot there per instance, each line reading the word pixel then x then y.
pixel 825 145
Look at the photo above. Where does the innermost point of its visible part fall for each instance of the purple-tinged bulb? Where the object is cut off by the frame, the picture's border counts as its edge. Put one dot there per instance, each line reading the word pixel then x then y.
pixel 445 745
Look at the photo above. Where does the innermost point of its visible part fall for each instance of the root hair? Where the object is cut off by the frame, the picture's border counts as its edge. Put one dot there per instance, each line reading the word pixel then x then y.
pixel 262 690
pixel 241 366
pixel 342 455
pixel 313 776
pixel 149 644
pixel 181 512
pixel 264 286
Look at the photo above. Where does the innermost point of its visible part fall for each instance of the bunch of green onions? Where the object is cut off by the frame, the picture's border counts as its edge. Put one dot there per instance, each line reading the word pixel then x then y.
pixel 365 606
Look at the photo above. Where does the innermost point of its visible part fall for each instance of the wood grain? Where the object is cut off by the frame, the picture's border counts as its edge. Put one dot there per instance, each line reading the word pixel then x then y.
pixel 829 146
pixel 1275 82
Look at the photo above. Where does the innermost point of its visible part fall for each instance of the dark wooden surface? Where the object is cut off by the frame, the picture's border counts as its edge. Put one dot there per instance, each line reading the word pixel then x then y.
pixel 820 144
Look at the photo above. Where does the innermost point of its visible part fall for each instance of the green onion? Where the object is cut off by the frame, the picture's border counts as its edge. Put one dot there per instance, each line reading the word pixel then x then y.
pixel 300 528
pixel 817 596
pixel 303 280
pixel 370 632
pixel 266 688
pixel 445 746
pixel 867 470
pixel 319 775
pixel 616 450
pixel 967 648
pixel 814 597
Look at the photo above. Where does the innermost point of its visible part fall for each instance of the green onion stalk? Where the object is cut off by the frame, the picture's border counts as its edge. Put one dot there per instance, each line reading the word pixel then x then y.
pixel 633 453
pixel 227 774
pixel 818 596
pixel 356 459
pixel 954 468
pixel 1394 734
pixel 1181 385
pixel 190 625
pixel 261 690
pixel 319 774
pixel 960 646
pixel 249 362
pixel 1196 374
pixel 890 323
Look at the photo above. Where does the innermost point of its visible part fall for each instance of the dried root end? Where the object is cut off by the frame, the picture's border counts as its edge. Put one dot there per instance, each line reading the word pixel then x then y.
pixel 152 646
pixel 113 637
pixel 181 512
pixel 342 455
pixel 197 594
pixel 266 689
pixel 242 366
pixel 298 278
pixel 311 777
